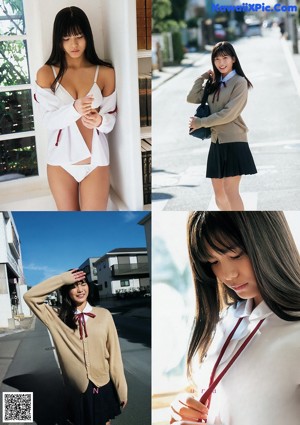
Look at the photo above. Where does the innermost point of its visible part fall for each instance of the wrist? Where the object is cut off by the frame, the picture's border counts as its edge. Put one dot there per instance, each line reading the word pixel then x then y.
pixel 100 119
pixel 67 278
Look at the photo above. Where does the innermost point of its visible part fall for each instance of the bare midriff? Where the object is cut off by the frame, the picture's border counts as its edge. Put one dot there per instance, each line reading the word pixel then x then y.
pixel 87 134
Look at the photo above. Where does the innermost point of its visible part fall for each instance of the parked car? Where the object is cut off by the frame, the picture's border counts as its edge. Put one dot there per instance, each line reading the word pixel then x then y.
pixel 253 29
pixel 219 32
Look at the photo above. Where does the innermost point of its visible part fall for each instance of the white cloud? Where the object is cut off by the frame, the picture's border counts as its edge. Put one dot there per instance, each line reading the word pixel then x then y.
pixel 129 216
pixel 45 270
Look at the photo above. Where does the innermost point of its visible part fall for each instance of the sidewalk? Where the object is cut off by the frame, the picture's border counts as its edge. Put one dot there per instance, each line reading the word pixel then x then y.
pixel 168 72
pixel 21 324
pixel 27 364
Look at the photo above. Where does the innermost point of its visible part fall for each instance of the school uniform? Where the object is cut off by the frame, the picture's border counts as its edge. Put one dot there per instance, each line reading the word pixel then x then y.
pixel 263 384
pixel 89 356
pixel 229 153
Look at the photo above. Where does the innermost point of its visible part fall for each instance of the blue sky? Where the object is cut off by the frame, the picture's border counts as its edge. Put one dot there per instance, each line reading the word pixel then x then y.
pixel 53 242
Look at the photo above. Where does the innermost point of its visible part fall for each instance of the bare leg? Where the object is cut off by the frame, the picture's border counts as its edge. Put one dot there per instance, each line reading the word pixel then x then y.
pixel 94 190
pixel 220 195
pixel 231 187
pixel 64 188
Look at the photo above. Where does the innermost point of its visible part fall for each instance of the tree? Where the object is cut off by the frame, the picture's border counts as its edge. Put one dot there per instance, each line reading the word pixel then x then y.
pixel 160 10
pixel 13 54
pixel 17 156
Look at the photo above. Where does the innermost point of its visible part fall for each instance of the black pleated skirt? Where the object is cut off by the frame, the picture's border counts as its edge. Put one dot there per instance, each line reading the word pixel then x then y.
pixel 94 407
pixel 229 160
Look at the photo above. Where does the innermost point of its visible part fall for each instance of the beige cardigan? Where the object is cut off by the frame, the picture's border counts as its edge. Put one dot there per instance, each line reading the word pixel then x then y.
pixel 97 357
pixel 225 120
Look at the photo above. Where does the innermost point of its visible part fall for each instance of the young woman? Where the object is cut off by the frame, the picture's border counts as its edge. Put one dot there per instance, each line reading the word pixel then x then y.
pixel 76 95
pixel 246 270
pixel 87 347
pixel 229 155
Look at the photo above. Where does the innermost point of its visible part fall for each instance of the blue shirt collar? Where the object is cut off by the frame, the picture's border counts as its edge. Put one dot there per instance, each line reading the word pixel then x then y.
pixel 228 76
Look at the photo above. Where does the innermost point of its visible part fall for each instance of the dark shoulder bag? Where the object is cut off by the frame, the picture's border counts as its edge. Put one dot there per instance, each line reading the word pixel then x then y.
pixel 201 112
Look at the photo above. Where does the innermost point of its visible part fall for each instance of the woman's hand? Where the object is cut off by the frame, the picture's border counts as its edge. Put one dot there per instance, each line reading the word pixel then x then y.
pixel 194 123
pixel 73 276
pixel 84 105
pixel 186 410
pixel 92 119
pixel 210 73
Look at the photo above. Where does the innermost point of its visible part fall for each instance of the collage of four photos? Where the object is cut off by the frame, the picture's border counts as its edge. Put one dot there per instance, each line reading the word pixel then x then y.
pixel 149 283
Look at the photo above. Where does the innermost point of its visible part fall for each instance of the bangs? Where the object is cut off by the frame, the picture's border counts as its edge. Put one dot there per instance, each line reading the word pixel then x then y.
pixel 223 49
pixel 219 243
pixel 217 232
pixel 72 29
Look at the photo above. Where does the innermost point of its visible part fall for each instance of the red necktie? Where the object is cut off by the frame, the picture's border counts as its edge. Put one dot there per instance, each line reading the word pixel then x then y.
pixel 79 317
pixel 206 397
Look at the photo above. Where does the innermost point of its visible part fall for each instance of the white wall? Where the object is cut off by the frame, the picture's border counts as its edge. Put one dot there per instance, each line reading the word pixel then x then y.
pixel 23 307
pixel 120 42
pixel 116 285
pixel 5 310
pixel 3 240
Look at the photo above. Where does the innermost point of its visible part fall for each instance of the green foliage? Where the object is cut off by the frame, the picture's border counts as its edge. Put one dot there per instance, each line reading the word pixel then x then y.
pixel 13 63
pixel 17 156
pixel 13 54
pixel 177 47
pixel 170 25
pixel 160 10
pixel 13 12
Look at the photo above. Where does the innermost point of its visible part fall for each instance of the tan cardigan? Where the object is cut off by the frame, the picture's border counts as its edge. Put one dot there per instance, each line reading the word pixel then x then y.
pixel 225 120
pixel 97 357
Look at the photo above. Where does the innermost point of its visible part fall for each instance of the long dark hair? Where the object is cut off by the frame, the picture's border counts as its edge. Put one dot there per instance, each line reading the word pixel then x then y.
pixel 266 239
pixel 71 21
pixel 66 311
pixel 221 49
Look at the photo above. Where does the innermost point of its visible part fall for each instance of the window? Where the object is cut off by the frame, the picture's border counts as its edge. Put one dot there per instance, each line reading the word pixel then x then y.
pixel 125 283
pixel 142 259
pixel 124 259
pixel 105 284
pixel 17 137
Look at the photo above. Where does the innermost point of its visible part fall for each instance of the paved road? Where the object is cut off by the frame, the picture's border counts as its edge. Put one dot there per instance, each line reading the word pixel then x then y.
pixel 32 367
pixel 179 161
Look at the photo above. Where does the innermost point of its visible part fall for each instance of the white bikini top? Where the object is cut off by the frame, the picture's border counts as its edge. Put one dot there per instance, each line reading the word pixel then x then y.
pixel 65 96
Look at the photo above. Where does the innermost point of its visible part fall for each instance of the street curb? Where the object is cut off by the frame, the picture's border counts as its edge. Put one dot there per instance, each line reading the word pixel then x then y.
pixel 182 68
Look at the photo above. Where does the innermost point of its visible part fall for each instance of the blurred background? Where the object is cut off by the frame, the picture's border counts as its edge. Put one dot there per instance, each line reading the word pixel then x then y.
pixel 182 26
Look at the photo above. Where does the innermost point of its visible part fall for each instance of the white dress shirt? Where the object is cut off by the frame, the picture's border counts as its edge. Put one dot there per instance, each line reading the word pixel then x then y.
pixel 263 385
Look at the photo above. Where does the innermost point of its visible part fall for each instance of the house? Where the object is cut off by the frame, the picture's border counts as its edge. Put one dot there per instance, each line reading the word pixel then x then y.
pixel 146 222
pixel 12 285
pixel 122 271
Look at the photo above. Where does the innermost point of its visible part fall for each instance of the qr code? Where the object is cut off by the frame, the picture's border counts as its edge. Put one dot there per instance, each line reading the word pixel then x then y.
pixel 17 407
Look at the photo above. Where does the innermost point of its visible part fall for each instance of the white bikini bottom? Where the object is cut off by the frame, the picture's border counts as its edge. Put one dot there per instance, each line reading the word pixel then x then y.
pixel 79 172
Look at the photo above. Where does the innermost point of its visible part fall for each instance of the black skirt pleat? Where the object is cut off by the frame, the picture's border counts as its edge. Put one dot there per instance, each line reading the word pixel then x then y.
pixel 96 406
pixel 229 160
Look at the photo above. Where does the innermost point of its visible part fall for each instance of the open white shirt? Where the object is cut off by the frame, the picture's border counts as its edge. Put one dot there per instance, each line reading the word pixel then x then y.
pixel 65 142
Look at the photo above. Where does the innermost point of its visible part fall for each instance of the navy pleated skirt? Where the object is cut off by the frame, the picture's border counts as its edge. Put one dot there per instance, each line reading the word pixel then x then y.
pixel 94 407
pixel 229 160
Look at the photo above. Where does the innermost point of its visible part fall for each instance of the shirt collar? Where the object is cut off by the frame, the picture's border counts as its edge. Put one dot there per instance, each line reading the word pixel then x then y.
pixel 87 309
pixel 261 311
pixel 228 76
